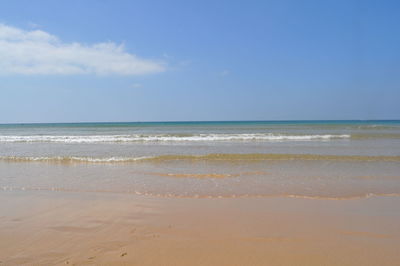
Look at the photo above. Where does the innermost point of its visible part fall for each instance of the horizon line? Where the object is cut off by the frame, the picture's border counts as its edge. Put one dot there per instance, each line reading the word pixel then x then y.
pixel 200 121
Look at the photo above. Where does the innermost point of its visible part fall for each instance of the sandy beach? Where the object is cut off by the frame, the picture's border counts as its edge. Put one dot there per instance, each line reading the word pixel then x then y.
pixel 59 228
pixel 199 133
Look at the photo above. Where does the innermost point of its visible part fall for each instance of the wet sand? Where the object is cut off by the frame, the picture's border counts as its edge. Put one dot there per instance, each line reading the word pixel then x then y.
pixel 60 228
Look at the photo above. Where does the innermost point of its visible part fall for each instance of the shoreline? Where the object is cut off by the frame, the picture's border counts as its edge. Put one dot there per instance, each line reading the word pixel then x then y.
pixel 195 196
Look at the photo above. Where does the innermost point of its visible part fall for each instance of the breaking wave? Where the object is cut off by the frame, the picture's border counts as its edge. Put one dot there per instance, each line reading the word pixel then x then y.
pixel 169 138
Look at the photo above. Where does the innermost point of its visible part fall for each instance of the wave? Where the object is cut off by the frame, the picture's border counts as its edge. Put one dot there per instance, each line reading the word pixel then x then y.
pixel 73 159
pixel 169 138
pixel 206 157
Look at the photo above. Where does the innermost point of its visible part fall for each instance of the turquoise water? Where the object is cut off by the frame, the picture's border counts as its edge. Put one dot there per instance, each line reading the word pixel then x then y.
pixel 331 159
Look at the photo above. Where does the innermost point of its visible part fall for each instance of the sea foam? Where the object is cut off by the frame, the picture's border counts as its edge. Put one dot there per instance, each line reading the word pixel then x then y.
pixel 169 138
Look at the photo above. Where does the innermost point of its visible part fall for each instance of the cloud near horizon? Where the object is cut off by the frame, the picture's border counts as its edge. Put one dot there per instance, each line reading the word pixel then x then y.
pixel 37 52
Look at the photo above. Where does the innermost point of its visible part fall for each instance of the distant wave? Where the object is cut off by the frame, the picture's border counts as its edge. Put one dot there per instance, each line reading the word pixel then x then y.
pixel 207 157
pixel 169 138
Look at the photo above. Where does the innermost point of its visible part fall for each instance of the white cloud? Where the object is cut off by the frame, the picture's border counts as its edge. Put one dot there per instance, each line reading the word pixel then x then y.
pixel 37 52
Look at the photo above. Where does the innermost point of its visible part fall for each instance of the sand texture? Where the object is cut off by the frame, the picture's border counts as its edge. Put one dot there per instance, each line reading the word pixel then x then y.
pixel 58 228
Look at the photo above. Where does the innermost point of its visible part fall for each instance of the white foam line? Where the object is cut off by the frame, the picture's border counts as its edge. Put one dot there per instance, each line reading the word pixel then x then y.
pixel 169 138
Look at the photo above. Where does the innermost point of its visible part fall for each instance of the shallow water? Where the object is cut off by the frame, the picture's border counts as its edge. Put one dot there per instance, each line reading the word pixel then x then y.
pixel 318 159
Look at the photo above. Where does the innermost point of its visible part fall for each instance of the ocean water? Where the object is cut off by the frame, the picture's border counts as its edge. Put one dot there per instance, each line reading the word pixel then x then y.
pixel 316 159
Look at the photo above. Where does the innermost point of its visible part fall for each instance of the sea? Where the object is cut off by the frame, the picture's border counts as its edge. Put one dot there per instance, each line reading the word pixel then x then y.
pixel 219 159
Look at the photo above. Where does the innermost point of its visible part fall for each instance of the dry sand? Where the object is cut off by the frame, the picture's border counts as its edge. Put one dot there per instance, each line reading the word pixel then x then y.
pixel 65 228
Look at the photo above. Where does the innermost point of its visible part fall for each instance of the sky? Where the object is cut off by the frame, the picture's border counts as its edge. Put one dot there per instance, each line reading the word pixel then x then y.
pixel 90 61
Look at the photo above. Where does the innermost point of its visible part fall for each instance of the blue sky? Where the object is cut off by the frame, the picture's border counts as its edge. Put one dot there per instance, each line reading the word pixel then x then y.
pixel 76 61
